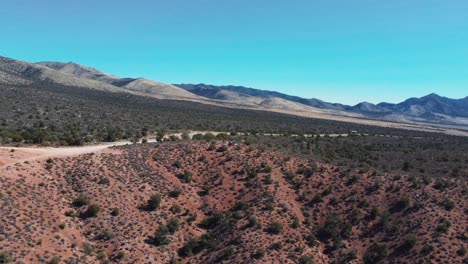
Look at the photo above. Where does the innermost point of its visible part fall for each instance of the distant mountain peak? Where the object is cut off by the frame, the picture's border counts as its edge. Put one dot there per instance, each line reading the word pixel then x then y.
pixel 432 95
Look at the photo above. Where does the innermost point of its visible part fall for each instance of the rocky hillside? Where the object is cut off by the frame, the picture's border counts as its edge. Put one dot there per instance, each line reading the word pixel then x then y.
pixel 189 202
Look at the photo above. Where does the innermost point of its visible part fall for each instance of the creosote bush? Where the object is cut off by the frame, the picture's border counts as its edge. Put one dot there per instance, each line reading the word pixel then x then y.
pixel 154 202
pixel 275 228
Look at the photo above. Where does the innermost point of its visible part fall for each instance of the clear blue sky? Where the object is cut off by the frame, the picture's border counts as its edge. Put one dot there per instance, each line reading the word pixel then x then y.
pixel 336 50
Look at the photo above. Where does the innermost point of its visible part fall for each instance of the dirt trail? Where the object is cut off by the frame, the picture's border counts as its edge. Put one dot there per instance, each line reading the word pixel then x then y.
pixel 13 155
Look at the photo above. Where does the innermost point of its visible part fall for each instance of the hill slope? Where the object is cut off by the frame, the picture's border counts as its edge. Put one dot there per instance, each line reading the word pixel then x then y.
pixel 274 209
pixel 140 85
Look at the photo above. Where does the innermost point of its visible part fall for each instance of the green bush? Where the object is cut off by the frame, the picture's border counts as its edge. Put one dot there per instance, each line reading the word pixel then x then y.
pixel 409 243
pixel 154 202
pixel 115 212
pixel 376 253
pixel 176 192
pixel 92 210
pixel 160 238
pixel 53 260
pixel 401 204
pixel 448 204
pixel 186 176
pixel 5 257
pixel 275 228
pixel 80 201
pixel 173 225
pixel 307 259
pixel 260 253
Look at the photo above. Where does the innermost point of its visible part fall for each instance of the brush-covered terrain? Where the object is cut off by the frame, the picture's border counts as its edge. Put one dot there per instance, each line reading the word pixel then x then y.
pixel 225 202
pixel 53 114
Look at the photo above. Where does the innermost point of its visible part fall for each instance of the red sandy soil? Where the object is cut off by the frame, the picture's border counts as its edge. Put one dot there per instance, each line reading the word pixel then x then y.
pixel 35 195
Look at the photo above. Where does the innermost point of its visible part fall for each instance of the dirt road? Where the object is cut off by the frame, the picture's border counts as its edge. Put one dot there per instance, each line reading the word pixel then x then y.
pixel 13 155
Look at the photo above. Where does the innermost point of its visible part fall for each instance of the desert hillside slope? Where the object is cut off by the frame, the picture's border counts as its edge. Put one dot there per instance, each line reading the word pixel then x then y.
pixel 140 85
pixel 194 202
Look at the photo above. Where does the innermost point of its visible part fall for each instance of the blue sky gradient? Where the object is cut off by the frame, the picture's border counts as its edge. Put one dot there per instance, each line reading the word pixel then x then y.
pixel 343 51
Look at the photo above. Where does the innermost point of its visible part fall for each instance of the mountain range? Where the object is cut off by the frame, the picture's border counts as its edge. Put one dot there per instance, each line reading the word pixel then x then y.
pixel 432 108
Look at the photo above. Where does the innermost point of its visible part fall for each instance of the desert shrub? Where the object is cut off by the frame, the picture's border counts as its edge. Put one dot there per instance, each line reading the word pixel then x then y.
pixel 376 253
pixel 260 253
pixel 307 259
pixel 268 180
pixel 62 225
pixel 401 204
pixel 441 184
pixel 296 223
pixel 212 221
pixel 160 238
pixel 5 257
pixel 186 176
pixel 80 200
pixel 176 192
pixel 105 235
pixel 354 217
pixel 373 213
pixel 53 260
pixel 103 181
pixel 330 228
pixel 173 225
pixel 448 204
pixel 275 228
pixel 277 246
pixel 374 187
pixel 154 202
pixel 227 253
pixel 461 251
pixel 409 243
pixel 211 147
pixel 92 211
pixel 326 192
pixel 443 226
pixel 120 255
pixel 222 149
pixel 251 222
pixel 88 248
pixel 102 256
pixel 177 164
pixel 427 248
pixel 196 245
pixel 316 199
pixel 70 213
pixel 352 179
pixel 205 190
pixel 346 230
pixel 406 166
pixel 384 219
pixel 311 240
pixel 115 211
